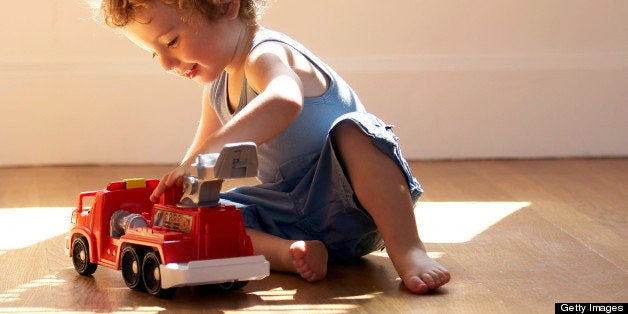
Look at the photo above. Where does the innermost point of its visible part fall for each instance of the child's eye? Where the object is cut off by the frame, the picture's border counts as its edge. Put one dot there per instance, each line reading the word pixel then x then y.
pixel 154 55
pixel 173 42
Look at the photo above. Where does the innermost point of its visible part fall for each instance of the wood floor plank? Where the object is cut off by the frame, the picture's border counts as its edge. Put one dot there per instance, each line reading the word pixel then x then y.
pixel 585 199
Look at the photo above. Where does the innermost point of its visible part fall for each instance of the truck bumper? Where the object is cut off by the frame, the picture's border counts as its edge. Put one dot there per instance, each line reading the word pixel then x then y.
pixel 66 249
pixel 214 271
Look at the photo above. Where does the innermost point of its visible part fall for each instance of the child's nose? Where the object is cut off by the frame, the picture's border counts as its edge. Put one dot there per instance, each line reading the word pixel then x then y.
pixel 168 63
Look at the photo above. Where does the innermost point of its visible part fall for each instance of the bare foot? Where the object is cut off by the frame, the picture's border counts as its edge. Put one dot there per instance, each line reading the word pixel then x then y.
pixel 419 272
pixel 309 259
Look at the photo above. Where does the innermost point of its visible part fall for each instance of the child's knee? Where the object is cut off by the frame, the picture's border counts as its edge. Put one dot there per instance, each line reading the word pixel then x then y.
pixel 345 132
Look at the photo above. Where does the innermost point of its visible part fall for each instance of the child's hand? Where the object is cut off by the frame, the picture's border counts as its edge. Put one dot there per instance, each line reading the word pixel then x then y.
pixel 169 179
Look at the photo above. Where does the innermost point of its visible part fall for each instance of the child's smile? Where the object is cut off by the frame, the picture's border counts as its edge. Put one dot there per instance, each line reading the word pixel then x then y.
pixel 191 73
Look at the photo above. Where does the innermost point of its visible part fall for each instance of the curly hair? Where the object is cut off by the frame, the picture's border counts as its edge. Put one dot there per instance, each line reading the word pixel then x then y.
pixel 119 13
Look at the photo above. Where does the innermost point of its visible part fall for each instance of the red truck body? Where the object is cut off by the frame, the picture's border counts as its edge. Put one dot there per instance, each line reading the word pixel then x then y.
pixel 163 245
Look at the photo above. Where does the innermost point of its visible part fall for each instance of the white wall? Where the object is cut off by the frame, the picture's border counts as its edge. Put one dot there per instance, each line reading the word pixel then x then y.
pixel 459 79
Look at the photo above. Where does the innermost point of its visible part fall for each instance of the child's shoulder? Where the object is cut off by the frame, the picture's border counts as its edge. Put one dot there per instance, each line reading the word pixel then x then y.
pixel 273 41
pixel 275 53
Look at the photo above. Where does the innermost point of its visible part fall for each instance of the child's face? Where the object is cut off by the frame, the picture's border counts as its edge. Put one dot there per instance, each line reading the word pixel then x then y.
pixel 184 42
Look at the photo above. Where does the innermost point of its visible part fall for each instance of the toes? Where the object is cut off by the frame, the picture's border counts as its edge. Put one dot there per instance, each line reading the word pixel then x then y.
pixel 427 281
pixel 303 268
pixel 306 275
pixel 309 275
pixel 297 250
pixel 444 276
pixel 416 285
pixel 436 278
pixel 441 275
pixel 298 263
pixel 430 280
pixel 309 259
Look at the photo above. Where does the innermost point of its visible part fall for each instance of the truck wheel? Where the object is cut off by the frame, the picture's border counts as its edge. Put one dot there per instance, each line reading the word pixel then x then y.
pixel 80 257
pixel 219 287
pixel 152 276
pixel 130 263
pixel 232 285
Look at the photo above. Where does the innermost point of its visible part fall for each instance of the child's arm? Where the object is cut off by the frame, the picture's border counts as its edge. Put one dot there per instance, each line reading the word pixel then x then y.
pixel 208 124
pixel 268 70
pixel 279 101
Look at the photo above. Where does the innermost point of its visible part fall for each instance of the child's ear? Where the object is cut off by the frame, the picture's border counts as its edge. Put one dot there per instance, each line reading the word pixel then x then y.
pixel 230 9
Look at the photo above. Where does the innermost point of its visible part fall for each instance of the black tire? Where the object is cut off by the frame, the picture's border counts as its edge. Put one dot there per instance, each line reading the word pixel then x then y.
pixel 152 276
pixel 131 266
pixel 218 288
pixel 80 257
pixel 232 285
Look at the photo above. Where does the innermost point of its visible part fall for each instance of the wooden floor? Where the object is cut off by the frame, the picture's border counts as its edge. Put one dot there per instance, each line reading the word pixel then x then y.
pixel 517 236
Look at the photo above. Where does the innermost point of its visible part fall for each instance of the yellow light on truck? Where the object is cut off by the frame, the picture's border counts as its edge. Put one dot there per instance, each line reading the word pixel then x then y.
pixel 135 183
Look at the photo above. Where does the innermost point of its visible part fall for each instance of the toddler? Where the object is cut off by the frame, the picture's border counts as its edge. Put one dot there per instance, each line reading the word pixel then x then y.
pixel 334 185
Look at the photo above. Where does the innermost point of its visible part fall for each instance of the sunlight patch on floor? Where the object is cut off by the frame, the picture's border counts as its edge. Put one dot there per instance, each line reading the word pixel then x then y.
pixel 277 294
pixel 23 227
pixel 457 222
pixel 360 297
pixel 34 310
pixel 299 308
pixel 141 309
pixel 281 295
pixel 12 295
pixel 434 255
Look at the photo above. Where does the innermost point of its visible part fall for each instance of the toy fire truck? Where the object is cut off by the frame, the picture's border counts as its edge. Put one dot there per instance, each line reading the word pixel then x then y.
pixel 187 239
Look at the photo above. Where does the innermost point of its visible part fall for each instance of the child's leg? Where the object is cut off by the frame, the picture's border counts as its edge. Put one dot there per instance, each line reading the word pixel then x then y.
pixel 382 190
pixel 306 258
